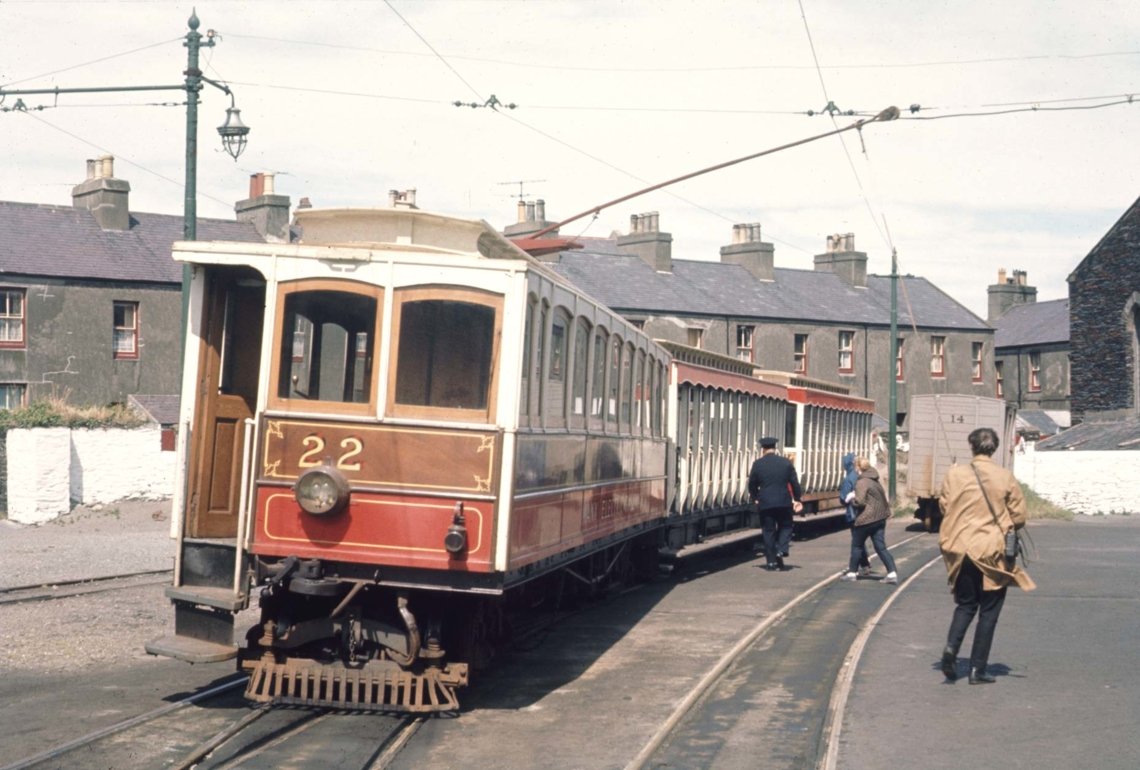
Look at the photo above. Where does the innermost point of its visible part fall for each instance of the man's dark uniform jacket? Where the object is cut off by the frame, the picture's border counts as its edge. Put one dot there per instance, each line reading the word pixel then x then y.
pixel 768 482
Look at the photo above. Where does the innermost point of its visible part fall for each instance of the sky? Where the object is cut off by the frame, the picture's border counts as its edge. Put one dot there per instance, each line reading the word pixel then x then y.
pixel 1016 145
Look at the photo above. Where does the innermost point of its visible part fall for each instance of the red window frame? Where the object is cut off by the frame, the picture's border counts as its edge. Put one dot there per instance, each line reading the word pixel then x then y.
pixel 800 354
pixel 125 329
pixel 849 350
pixel 938 356
pixel 10 317
pixel 977 353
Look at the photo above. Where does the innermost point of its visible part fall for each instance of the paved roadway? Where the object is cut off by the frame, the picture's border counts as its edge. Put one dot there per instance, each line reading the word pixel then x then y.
pixel 1067 694
pixel 592 693
pixel 1066 659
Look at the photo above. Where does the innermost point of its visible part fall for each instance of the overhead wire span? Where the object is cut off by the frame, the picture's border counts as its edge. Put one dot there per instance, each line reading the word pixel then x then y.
pixel 94 61
pixel 124 158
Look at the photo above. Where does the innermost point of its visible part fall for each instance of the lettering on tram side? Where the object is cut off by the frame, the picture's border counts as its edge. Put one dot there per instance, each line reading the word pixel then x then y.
pixel 383 455
pixel 315 455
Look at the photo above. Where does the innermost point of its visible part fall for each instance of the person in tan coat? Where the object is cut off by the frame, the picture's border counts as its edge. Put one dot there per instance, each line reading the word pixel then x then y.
pixel 973 549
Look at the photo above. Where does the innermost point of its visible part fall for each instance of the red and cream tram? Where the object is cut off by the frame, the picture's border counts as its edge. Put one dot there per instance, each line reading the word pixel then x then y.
pixel 401 420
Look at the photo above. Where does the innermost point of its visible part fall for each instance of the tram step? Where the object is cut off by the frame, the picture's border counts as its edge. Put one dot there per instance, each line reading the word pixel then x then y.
pixel 374 686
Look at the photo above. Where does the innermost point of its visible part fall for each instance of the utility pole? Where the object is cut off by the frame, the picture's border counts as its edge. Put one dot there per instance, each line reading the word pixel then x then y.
pixel 893 398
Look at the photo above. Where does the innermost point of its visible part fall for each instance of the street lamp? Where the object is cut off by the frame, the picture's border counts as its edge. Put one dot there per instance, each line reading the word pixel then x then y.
pixel 233 131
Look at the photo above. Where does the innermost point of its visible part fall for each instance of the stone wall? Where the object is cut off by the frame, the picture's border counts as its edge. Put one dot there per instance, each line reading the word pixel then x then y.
pixel 1101 337
pixel 52 469
pixel 1084 482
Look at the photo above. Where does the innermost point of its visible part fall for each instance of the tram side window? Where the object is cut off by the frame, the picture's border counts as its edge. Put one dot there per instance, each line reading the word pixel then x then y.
pixel 790 426
pixel 581 370
pixel 614 382
pixel 327 349
pixel 598 391
pixel 445 354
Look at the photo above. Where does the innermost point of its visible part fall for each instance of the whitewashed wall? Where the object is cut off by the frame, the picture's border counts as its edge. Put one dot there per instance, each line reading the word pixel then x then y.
pixel 38 474
pixel 1084 482
pixel 52 469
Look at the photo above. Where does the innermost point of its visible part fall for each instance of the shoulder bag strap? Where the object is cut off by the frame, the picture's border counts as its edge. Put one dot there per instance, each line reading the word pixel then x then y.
pixel 986 497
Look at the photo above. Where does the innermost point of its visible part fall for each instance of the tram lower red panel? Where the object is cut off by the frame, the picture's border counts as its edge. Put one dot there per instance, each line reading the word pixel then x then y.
pixel 394 530
pixel 543 525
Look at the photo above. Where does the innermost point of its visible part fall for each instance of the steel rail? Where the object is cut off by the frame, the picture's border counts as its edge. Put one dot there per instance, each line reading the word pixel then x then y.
pixel 49 591
pixel 62 749
pixel 714 674
pixel 833 725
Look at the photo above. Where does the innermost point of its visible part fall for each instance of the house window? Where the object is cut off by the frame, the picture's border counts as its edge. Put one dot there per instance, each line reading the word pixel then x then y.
pixel 12 395
pixel 900 371
pixel 1034 372
pixel 938 356
pixel 695 337
pixel 126 341
pixel 744 343
pixel 999 389
pixel 11 318
pixel 800 354
pixel 846 352
pixel 976 360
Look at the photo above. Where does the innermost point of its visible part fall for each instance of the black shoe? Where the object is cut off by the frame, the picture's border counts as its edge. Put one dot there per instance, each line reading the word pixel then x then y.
pixel 979 676
pixel 950 663
pixel 771 567
pixel 783 553
pixel 780 563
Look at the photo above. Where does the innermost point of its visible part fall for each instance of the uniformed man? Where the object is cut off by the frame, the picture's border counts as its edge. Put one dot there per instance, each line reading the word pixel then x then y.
pixel 775 488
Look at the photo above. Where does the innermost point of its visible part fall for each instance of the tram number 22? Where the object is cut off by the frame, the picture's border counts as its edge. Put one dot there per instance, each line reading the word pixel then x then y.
pixel 314 453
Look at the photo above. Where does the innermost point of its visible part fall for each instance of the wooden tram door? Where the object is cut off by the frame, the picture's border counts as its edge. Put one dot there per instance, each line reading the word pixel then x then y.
pixel 226 389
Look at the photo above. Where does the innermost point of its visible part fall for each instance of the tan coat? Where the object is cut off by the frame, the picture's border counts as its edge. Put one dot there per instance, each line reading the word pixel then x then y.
pixel 968 527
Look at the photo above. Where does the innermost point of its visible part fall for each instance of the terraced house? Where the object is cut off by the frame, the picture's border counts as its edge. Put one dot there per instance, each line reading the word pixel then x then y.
pixel 831 323
pixel 90 298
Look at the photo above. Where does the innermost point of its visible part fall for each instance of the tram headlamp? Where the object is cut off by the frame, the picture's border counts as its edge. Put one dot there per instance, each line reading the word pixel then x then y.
pixel 455 541
pixel 321 491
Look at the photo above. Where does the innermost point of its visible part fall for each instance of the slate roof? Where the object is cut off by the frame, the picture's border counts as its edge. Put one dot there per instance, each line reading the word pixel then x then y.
pixel 161 409
pixel 1038 323
pixel 627 283
pixel 67 242
pixel 1037 420
pixel 1091 436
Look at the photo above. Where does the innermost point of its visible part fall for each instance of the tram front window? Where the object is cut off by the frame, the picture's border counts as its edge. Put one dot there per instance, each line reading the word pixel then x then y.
pixel 445 354
pixel 327 347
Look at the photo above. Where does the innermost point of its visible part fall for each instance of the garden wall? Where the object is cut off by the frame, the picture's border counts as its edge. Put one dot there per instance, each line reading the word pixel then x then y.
pixel 50 470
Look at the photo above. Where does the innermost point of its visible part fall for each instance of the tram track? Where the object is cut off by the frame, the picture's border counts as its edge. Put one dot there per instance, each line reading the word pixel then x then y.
pixel 784 684
pixel 64 589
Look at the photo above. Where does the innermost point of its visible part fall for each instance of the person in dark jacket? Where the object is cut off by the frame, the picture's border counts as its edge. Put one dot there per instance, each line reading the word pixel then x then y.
pixel 870 500
pixel 846 487
pixel 775 488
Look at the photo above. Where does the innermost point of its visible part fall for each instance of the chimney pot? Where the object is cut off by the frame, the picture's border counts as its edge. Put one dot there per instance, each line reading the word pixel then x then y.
pixel 522 211
pixel 256 185
pixel 530 212
pixel 540 210
pixel 108 164
pixel 269 176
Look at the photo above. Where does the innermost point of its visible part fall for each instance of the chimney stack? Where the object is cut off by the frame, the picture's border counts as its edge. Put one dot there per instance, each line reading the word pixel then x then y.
pixel 531 219
pixel 1008 293
pixel 842 259
pixel 268 212
pixel 405 199
pixel 105 196
pixel 647 242
pixel 748 251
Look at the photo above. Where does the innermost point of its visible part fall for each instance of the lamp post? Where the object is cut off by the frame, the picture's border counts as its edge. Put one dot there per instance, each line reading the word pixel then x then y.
pixel 233 131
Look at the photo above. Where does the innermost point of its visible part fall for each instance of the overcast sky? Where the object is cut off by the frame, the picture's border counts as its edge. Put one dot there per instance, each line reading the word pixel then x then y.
pixel 347 100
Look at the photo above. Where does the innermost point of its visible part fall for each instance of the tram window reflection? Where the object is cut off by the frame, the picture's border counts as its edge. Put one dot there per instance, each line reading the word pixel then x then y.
pixel 445 354
pixel 327 348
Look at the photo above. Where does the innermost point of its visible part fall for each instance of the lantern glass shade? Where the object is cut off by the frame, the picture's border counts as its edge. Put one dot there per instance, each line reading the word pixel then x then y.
pixel 233 132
